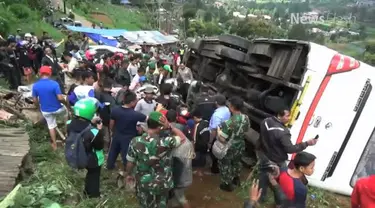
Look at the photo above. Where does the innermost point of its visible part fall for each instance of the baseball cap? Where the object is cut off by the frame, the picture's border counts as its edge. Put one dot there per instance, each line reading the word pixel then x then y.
pixel 45 70
pixel 167 68
pixel 155 116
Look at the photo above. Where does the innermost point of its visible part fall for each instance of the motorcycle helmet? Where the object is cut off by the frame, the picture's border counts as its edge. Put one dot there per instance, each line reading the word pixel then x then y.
pixel 86 108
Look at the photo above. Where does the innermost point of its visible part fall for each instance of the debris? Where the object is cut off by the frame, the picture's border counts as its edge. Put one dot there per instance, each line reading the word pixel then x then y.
pixel 15 103
pixel 5 116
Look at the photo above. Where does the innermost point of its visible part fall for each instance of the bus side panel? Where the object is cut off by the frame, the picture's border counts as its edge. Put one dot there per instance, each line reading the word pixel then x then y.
pixel 332 118
pixel 319 59
pixel 340 180
pixel 362 133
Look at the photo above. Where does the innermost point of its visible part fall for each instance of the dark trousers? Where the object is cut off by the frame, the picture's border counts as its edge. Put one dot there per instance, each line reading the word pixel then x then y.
pixel 264 183
pixel 215 164
pixel 92 182
pixel 118 145
pixel 184 90
pixel 12 75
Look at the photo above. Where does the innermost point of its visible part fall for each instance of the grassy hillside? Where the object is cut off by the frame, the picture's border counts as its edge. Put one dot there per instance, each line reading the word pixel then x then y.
pixel 20 16
pixel 122 17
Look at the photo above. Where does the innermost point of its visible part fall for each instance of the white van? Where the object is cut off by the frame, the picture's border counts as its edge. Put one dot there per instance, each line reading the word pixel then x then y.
pixel 339 106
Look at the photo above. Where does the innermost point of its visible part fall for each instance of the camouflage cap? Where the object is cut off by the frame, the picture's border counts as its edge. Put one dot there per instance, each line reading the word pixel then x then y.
pixel 146 56
pixel 151 65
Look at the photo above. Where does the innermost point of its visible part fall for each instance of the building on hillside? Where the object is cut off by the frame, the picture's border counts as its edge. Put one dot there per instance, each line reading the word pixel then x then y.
pixel 252 16
pixel 218 4
pixel 267 17
pixel 239 15
pixel 365 3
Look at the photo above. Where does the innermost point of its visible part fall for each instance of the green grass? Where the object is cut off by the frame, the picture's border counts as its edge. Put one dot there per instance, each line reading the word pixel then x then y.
pixel 39 27
pixel 121 16
pixel 54 181
pixel 345 49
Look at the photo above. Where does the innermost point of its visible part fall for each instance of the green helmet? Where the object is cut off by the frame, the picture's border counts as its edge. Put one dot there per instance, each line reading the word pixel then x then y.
pixel 86 108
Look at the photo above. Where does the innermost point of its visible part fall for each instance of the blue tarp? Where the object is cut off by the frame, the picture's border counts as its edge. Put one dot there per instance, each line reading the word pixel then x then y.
pixel 125 2
pixel 150 37
pixel 137 37
pixel 103 32
pixel 104 40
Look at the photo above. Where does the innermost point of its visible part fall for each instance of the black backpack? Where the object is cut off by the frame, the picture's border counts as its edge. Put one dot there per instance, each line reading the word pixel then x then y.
pixel 75 151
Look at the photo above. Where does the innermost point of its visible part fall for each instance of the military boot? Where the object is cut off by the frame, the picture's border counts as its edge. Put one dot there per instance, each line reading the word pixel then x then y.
pixel 227 187
pixel 236 181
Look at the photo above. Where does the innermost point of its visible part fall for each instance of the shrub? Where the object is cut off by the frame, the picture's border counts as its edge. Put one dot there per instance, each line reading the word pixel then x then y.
pixel 21 11
pixel 4 26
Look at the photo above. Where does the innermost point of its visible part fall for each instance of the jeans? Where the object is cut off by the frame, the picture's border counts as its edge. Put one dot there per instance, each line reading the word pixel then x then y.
pixel 92 182
pixel 118 145
pixel 264 183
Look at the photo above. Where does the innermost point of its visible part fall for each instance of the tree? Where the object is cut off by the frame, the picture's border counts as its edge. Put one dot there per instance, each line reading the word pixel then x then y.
pixel 362 13
pixel 196 28
pixel 188 12
pixel 369 58
pixel 256 28
pixel 362 31
pixel 212 29
pixel 370 47
pixel 298 32
pixel 208 16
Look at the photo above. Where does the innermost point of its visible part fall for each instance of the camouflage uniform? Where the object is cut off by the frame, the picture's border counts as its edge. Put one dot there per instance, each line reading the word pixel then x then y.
pixel 230 166
pixel 151 78
pixel 153 161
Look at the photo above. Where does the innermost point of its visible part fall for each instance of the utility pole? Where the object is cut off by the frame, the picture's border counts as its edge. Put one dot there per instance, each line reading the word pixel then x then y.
pixel 159 15
pixel 64 1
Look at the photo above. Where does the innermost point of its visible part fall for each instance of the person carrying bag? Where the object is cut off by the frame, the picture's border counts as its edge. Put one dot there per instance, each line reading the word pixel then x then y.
pixel 220 149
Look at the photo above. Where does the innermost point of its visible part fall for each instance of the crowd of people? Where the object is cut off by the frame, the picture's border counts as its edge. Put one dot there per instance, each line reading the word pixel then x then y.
pixel 22 54
pixel 147 107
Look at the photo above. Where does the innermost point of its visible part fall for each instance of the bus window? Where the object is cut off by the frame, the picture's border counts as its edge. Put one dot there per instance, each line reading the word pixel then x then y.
pixel 366 165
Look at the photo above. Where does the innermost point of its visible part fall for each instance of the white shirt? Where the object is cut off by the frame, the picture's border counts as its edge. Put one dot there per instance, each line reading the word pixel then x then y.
pixel 133 85
pixel 133 69
pixel 178 61
pixel 160 79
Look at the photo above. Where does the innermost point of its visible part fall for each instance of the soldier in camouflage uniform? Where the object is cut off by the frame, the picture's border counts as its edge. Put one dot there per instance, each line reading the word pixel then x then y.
pixel 234 128
pixel 150 76
pixel 151 155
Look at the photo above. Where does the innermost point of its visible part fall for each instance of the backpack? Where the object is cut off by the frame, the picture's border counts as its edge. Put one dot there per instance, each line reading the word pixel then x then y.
pixel 120 97
pixel 75 151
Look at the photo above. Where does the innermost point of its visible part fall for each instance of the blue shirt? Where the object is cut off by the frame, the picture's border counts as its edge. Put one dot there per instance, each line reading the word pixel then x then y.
pixel 126 120
pixel 220 115
pixel 46 90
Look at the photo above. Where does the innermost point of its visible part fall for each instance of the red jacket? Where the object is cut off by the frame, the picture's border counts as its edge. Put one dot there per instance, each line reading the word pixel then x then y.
pixel 363 195
pixel 180 119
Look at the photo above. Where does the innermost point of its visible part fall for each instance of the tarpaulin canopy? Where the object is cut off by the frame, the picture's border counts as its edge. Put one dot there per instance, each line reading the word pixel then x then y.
pixel 137 37
pixel 102 39
pixel 103 32
pixel 148 37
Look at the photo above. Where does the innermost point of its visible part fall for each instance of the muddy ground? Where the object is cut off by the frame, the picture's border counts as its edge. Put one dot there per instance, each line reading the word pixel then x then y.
pixel 102 18
pixel 205 193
